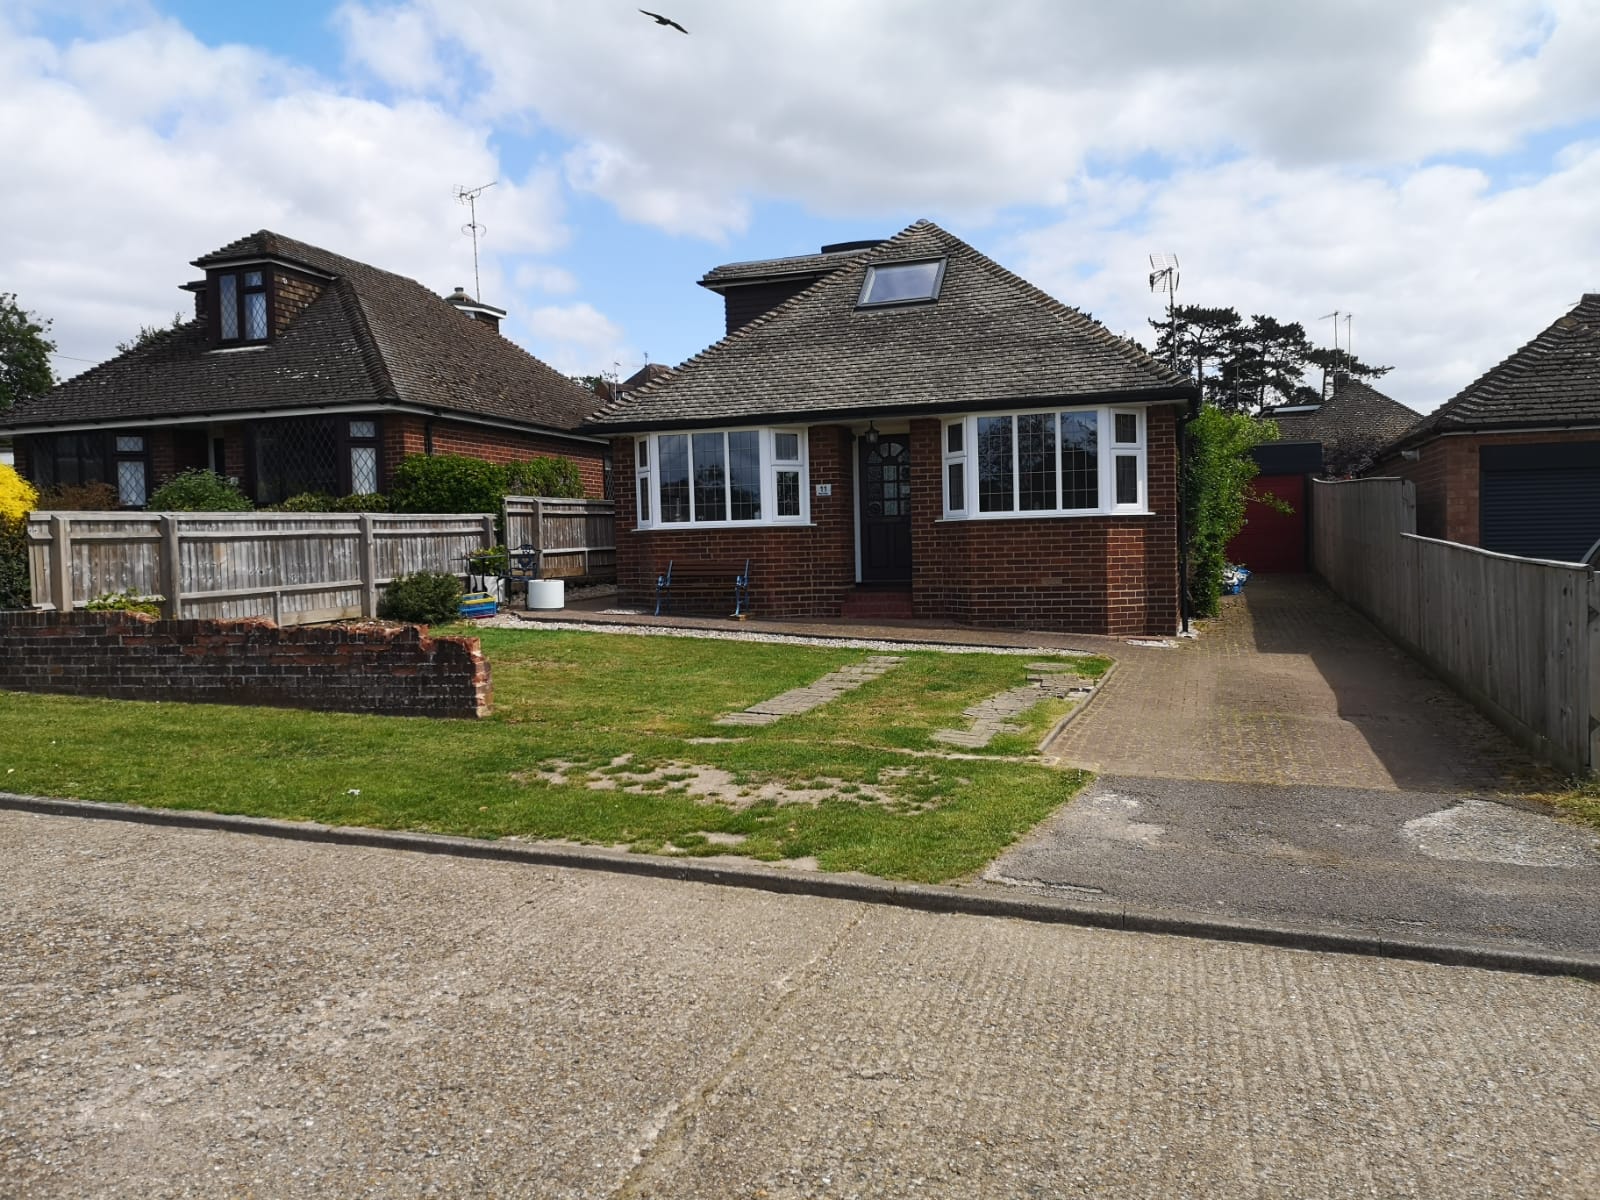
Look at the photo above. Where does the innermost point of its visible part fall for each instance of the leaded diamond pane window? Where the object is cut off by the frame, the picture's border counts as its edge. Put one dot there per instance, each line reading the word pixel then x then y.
pixel 363 470
pixel 130 444
pixel 295 455
pixel 228 306
pixel 255 316
pixel 363 429
pixel 130 483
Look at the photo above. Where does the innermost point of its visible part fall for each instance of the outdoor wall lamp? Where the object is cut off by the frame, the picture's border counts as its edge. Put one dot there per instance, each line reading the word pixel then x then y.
pixel 872 434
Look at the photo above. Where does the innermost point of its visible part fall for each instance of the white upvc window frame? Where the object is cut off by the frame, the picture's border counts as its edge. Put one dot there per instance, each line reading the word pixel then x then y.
pixel 1107 451
pixel 647 478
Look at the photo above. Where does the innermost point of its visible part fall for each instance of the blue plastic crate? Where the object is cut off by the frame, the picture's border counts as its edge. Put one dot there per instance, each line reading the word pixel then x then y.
pixel 478 604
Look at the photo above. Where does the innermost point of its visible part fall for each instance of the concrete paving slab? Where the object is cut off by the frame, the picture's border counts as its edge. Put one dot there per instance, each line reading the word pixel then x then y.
pixel 189 1013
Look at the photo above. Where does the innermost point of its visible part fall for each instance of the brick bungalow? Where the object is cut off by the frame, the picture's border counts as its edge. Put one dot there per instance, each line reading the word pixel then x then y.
pixel 904 428
pixel 305 371
pixel 1511 463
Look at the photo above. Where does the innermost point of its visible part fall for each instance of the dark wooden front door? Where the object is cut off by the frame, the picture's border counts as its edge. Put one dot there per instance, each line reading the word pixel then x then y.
pixel 886 509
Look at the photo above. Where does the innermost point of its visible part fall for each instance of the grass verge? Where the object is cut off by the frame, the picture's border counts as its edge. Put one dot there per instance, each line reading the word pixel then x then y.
pixel 597 738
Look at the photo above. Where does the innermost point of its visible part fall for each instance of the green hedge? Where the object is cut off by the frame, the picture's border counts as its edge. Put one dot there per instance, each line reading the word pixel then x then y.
pixel 456 483
pixel 1216 490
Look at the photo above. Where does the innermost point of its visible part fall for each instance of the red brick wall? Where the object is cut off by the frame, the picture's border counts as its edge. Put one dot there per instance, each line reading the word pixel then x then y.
pixel 797 571
pixel 382 670
pixel 1116 575
pixel 405 434
pixel 1446 478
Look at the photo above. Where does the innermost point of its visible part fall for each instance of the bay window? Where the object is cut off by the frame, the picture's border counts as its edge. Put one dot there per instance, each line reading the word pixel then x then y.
pixel 1072 462
pixel 721 477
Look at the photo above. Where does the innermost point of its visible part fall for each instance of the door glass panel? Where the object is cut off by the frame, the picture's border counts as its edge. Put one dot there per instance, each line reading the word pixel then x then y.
pixel 130 484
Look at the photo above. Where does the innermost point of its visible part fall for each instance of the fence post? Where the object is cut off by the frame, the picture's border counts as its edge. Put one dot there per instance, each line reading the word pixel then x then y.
pixel 538 536
pixel 1592 650
pixel 61 563
pixel 368 554
pixel 488 531
pixel 171 569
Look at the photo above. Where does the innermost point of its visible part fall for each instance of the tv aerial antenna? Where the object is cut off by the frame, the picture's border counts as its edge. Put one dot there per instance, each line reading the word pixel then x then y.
pixel 469 197
pixel 1164 278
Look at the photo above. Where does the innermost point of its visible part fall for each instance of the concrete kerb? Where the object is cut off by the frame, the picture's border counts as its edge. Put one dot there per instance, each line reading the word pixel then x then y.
pixel 923 897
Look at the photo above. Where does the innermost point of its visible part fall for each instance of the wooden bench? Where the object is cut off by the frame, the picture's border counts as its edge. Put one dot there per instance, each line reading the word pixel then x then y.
pixel 708 579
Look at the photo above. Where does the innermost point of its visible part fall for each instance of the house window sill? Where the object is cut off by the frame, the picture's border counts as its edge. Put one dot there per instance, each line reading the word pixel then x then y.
pixel 722 526
pixel 971 518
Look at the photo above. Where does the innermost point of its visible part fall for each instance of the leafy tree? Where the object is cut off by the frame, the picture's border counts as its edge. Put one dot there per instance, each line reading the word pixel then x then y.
pixel 150 333
pixel 25 349
pixel 1247 366
pixel 1216 491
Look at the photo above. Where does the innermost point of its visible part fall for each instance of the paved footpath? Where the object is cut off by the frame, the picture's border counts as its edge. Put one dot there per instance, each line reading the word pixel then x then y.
pixel 194 1013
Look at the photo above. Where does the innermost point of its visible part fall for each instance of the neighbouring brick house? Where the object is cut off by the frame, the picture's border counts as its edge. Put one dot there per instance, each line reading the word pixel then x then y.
pixel 305 371
pixel 905 428
pixel 1512 462
pixel 1351 425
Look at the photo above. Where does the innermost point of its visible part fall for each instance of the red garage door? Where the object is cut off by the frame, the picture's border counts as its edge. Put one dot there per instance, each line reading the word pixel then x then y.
pixel 1273 542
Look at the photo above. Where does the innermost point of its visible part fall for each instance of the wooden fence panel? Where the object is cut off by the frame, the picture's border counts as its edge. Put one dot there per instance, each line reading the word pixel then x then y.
pixel 295 568
pixel 1514 634
pixel 576 539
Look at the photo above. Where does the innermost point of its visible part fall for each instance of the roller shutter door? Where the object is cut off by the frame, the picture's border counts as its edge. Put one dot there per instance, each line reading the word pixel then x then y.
pixel 1540 501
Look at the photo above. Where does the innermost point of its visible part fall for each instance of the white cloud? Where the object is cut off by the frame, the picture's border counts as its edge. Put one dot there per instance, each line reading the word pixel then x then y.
pixel 577 339
pixel 919 106
pixel 1444 276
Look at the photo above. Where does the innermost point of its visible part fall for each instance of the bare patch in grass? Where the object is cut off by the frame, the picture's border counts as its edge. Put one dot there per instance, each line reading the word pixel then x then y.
pixel 898 789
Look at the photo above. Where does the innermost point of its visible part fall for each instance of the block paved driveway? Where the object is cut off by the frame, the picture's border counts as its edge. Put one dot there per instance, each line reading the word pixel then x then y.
pixel 190 1013
pixel 1294 766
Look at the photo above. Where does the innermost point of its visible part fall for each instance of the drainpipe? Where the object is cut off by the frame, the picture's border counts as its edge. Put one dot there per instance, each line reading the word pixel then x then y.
pixel 427 436
pixel 1188 415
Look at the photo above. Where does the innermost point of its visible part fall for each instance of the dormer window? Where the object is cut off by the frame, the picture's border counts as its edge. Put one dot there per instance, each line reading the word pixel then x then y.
pixel 901 283
pixel 242 306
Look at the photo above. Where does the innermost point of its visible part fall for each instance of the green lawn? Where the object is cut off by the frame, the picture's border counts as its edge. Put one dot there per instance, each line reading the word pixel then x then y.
pixel 596 738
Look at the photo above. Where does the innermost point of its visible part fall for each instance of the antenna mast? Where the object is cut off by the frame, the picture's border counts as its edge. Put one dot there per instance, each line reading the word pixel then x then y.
pixel 1164 278
pixel 469 197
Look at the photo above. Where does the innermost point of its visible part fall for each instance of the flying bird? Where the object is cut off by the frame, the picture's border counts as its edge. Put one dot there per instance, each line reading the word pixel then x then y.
pixel 660 20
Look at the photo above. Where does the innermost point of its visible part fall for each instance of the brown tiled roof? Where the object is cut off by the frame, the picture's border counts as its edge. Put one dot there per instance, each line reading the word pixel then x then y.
pixel 777 268
pixel 1554 380
pixel 1352 423
pixel 991 339
pixel 372 337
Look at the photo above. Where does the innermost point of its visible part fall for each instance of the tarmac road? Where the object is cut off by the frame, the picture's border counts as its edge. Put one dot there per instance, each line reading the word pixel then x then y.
pixel 196 1013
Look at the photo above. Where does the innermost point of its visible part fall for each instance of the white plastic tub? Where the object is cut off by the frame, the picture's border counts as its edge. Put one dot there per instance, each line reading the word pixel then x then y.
pixel 547 593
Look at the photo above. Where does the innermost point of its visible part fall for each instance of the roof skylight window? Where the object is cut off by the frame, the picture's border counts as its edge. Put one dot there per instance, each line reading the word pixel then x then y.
pixel 901 283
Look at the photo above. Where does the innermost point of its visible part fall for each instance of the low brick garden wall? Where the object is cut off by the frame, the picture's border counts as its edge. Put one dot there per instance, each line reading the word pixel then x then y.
pixel 383 670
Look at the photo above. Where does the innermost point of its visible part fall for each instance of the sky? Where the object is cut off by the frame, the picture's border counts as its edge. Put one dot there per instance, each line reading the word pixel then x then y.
pixel 1429 169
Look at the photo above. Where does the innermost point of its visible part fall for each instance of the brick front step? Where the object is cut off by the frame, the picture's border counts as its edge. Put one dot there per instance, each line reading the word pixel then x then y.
pixel 876 604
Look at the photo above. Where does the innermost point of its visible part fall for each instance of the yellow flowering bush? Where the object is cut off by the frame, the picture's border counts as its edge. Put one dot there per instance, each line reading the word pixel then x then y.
pixel 17 496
